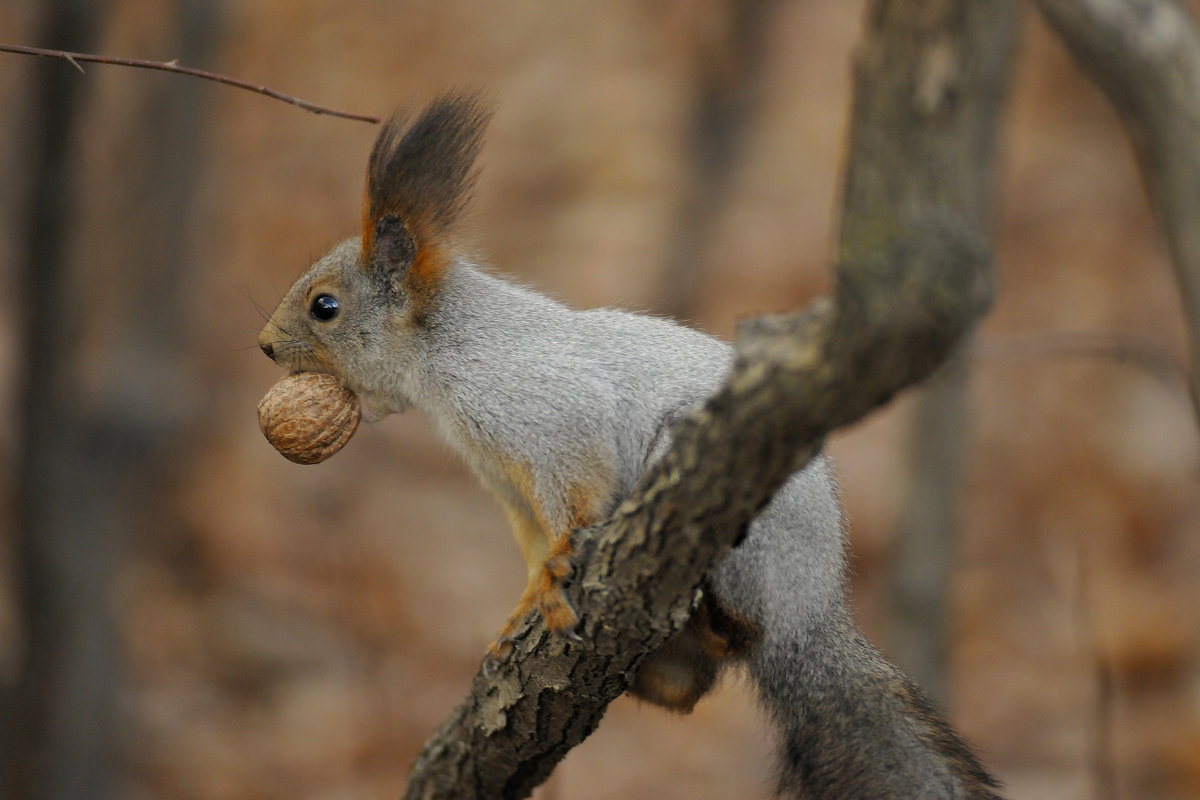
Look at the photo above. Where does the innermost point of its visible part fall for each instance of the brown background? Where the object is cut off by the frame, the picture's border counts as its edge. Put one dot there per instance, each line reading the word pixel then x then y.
pixel 297 631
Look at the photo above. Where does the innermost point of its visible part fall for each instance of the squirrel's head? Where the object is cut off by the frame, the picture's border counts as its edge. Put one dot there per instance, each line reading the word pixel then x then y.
pixel 363 305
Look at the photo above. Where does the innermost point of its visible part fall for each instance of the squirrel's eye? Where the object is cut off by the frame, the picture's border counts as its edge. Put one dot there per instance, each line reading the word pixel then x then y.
pixel 324 307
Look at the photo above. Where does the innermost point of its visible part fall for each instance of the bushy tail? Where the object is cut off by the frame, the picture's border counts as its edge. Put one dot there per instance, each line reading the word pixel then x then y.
pixel 853 726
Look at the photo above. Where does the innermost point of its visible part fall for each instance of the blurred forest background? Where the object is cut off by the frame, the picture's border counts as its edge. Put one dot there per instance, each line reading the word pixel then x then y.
pixel 223 624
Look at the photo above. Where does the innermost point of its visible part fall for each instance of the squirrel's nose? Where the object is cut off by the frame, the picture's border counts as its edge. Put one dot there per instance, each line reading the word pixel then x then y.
pixel 268 349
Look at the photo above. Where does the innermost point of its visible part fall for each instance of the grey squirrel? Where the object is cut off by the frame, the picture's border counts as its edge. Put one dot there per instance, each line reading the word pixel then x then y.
pixel 559 412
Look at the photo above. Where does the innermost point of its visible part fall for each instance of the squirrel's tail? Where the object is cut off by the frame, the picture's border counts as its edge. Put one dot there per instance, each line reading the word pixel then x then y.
pixel 853 725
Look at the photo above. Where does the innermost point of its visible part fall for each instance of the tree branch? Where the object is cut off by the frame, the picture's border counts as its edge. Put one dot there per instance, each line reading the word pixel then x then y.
pixel 173 66
pixel 932 78
pixel 899 308
pixel 1120 347
pixel 911 283
pixel 1145 55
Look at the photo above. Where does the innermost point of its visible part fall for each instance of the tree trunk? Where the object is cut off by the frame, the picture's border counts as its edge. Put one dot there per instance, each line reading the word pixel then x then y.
pixel 87 470
pixel 1145 55
pixel 728 89
pixel 930 87
pixel 55 717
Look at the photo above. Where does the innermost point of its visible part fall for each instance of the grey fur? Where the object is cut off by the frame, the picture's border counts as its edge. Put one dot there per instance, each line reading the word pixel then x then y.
pixel 541 399
pixel 499 368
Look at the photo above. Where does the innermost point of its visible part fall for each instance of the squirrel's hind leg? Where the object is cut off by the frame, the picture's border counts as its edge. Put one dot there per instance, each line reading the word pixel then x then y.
pixel 683 670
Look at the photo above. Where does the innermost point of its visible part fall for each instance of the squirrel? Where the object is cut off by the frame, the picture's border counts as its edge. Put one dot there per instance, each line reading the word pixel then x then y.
pixel 559 412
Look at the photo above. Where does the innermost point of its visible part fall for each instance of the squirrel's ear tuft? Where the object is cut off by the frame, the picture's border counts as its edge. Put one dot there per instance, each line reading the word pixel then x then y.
pixel 419 180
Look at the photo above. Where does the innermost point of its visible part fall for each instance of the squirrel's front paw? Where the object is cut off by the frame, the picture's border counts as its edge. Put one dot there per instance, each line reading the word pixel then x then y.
pixel 545 593
pixel 552 601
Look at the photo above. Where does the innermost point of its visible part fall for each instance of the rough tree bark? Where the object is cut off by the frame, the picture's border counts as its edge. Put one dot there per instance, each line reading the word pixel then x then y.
pixel 912 281
pixel 930 90
pixel 901 306
pixel 1145 55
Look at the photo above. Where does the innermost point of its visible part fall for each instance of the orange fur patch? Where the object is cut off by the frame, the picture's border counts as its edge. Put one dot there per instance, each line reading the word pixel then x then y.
pixel 428 267
pixel 547 550
pixel 368 225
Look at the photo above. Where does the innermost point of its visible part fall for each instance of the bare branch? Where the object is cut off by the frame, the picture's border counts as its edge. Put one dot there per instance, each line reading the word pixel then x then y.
pixel 911 283
pixel 899 309
pixel 1121 347
pixel 173 66
pixel 931 81
pixel 1145 55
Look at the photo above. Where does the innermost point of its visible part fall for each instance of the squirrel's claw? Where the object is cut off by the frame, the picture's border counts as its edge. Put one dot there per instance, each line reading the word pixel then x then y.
pixel 570 634
pixel 498 653
pixel 547 595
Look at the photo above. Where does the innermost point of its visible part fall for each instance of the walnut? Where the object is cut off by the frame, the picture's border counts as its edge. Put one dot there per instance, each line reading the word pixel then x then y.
pixel 308 416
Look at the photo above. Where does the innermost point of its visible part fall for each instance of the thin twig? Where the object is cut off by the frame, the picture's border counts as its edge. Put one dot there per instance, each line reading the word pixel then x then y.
pixel 1101 731
pixel 1119 346
pixel 173 66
